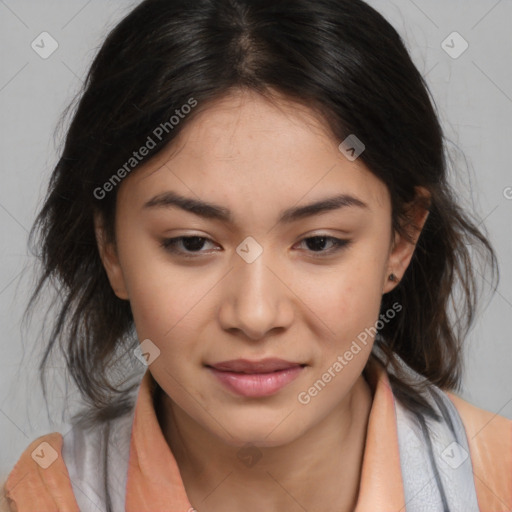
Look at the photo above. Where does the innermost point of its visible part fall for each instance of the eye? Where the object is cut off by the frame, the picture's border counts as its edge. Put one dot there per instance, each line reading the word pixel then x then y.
pixel 190 246
pixel 317 243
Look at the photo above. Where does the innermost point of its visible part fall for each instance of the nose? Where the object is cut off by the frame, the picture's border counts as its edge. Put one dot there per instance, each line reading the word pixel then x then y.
pixel 256 299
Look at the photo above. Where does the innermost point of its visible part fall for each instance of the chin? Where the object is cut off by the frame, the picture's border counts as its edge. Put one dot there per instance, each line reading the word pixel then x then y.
pixel 263 433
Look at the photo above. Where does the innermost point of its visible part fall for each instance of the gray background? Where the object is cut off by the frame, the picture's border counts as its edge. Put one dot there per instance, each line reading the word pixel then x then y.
pixel 473 94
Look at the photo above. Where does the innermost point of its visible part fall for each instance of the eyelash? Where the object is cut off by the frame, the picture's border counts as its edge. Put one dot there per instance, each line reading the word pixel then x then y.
pixel 169 244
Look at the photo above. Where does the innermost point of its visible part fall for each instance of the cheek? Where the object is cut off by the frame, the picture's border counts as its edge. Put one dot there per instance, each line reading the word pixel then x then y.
pixel 171 304
pixel 163 304
pixel 347 299
pixel 160 295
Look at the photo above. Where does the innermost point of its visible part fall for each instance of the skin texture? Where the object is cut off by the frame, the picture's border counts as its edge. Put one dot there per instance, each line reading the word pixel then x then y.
pixel 295 301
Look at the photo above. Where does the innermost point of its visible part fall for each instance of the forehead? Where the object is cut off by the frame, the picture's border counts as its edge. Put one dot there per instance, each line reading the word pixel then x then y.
pixel 244 149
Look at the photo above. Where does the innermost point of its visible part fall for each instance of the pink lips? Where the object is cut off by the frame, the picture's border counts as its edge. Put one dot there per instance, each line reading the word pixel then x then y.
pixel 256 378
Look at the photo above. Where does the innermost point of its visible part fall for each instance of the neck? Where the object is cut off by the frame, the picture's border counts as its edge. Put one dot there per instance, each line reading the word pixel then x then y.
pixel 318 471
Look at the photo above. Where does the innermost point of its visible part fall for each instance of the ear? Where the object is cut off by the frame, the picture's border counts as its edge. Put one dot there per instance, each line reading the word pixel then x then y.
pixel 110 259
pixel 402 249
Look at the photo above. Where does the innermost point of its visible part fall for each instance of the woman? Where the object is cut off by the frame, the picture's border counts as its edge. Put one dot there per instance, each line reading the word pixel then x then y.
pixel 257 192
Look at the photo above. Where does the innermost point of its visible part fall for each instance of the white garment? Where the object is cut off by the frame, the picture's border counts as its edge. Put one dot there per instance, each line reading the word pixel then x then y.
pixel 84 452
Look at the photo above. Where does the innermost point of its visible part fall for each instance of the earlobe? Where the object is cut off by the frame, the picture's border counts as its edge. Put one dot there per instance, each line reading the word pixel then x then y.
pixel 110 260
pixel 402 247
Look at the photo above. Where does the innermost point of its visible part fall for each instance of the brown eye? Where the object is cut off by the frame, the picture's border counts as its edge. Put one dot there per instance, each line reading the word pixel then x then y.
pixel 184 244
pixel 316 244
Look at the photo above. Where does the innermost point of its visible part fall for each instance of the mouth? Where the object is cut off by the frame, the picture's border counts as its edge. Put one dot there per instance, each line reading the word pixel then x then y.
pixel 256 378
pixel 268 365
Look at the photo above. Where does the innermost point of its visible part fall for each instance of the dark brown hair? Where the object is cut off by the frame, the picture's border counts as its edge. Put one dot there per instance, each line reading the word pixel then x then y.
pixel 338 57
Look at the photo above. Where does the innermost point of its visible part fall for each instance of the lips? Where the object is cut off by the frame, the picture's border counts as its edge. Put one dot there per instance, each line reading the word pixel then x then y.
pixel 267 365
pixel 255 379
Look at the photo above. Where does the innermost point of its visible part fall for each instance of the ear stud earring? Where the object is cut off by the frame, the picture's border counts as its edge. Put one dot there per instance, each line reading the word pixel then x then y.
pixel 392 277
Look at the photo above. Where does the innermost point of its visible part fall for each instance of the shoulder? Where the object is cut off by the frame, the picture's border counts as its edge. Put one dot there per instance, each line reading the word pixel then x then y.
pixel 479 420
pixel 79 470
pixel 71 469
pixel 485 430
pixel 4 505
pixel 476 444
pixel 489 438
pixel 40 478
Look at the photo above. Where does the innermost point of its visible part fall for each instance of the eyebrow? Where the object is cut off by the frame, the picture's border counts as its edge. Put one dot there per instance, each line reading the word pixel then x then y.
pixel 215 212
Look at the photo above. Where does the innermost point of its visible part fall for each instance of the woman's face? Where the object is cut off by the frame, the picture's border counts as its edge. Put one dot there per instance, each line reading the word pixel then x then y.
pixel 253 286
